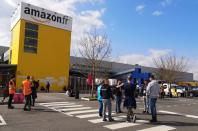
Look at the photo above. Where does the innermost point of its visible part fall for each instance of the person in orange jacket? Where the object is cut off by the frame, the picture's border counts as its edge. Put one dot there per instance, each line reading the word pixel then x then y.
pixel 12 90
pixel 27 93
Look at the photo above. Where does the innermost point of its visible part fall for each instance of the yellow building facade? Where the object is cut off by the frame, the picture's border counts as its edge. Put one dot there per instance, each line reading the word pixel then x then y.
pixel 40 45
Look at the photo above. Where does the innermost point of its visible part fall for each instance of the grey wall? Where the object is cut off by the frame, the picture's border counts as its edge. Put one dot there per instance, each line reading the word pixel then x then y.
pixel 120 67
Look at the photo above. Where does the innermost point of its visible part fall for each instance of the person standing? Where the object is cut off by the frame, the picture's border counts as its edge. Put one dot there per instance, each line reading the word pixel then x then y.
pixel 153 91
pixel 27 93
pixel 145 97
pixel 12 90
pixel 47 86
pixel 118 94
pixel 99 97
pixel 106 95
pixel 129 101
pixel 34 91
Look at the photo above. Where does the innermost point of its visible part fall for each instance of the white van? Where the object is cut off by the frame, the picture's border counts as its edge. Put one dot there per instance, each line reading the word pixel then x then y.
pixel 169 87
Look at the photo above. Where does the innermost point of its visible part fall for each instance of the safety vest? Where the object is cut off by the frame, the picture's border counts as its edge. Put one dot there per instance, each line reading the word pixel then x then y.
pixel 27 87
pixel 12 87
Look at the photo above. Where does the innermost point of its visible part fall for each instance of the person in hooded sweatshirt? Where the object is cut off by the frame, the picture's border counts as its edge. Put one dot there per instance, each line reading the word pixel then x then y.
pixel 106 94
pixel 153 90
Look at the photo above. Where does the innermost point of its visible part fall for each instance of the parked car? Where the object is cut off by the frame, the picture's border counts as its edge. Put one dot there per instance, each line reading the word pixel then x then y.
pixel 170 88
pixel 180 91
pixel 193 92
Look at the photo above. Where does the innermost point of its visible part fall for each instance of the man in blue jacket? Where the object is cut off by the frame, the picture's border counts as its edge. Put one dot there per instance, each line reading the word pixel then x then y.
pixel 99 97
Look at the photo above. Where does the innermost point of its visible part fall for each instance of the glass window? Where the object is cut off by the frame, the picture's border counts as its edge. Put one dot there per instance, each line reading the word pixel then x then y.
pixel 31 42
pixel 31 38
pixel 31 26
pixel 30 49
pixel 31 34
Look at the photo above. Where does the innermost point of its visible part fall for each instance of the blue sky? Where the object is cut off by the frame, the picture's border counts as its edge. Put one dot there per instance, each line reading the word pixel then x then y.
pixel 135 32
pixel 139 29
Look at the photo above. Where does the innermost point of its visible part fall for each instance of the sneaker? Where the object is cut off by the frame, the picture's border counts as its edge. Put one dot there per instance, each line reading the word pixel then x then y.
pixel 110 120
pixel 104 119
pixel 134 118
pixel 11 107
pixel 128 121
pixel 25 109
pixel 153 121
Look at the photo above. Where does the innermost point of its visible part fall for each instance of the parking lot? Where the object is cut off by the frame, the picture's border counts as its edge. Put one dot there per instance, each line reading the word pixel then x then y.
pixel 56 112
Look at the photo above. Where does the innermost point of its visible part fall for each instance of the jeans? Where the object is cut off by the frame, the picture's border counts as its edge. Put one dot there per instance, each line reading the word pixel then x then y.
pixel 129 113
pixel 27 102
pixel 10 100
pixel 118 103
pixel 152 102
pixel 100 107
pixel 106 104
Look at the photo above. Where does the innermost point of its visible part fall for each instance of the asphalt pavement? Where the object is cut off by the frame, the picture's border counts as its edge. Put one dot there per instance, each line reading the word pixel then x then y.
pixel 57 112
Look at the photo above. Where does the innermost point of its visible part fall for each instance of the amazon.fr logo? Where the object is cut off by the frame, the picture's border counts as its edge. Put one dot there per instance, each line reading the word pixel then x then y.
pixel 45 16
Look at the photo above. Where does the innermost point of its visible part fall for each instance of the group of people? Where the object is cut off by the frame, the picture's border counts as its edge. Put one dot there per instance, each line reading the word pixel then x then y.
pixel 151 90
pixel 29 87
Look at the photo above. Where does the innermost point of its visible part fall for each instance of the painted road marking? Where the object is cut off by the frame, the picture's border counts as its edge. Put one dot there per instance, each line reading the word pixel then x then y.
pixel 168 112
pixel 66 104
pixel 74 109
pixel 88 116
pixel 69 106
pixel 120 125
pixel 52 103
pixel 159 128
pixel 2 121
pixel 80 112
pixel 96 121
pixel 180 114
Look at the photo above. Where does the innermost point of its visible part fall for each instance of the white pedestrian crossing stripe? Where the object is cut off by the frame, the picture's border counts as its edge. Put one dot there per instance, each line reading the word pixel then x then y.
pixel 87 115
pixel 81 112
pixel 179 114
pixel 159 128
pixel 120 125
pixel 66 106
pixel 63 104
pixel 53 103
pixel 2 121
pixel 74 109
pixel 92 116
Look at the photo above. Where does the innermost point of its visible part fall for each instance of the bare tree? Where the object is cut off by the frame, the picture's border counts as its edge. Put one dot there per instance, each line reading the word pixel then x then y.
pixel 170 68
pixel 95 48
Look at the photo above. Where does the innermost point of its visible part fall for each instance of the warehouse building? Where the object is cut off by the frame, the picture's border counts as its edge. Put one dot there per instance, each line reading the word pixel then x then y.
pixel 40 45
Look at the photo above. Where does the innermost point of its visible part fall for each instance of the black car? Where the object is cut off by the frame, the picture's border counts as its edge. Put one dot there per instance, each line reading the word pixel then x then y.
pixel 193 92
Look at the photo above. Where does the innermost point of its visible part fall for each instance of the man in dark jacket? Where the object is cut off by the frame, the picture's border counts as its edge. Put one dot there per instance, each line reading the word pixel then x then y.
pixel 129 101
pixel 118 95
pixel 106 95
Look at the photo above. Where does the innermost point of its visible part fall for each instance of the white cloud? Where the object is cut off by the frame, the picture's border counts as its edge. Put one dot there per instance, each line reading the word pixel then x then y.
pixel 83 21
pixel 144 60
pixel 166 2
pixel 193 68
pixel 157 13
pixel 147 60
pixel 140 8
